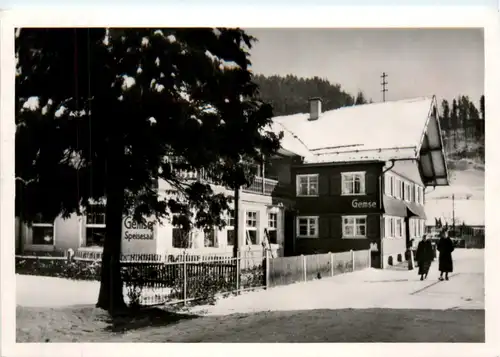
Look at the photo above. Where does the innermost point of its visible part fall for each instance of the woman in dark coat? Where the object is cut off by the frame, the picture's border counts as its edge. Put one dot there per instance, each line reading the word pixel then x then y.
pixel 425 256
pixel 445 247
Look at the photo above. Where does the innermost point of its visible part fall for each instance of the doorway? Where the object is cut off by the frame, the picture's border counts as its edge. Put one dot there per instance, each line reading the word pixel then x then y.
pixel 289 233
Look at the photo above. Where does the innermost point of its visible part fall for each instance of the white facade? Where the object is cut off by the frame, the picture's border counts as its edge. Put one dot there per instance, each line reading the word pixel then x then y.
pixel 85 233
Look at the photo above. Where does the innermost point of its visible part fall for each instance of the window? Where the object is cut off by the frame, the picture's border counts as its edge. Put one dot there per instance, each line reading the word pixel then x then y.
pixel 391 227
pixel 414 226
pixel 419 227
pixel 354 226
pixel 353 183
pixel 95 226
pixel 398 192
pixel 231 234
pixel 399 228
pixel 407 191
pixel 272 228
pixel 251 227
pixel 307 185
pixel 421 193
pixel 307 227
pixel 180 238
pixel 394 227
pixel 388 185
pixel 43 232
pixel 210 238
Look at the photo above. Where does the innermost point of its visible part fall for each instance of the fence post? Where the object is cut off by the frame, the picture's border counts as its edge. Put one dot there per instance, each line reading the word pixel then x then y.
pixel 331 263
pixel 267 269
pixel 352 259
pixel 238 269
pixel 304 266
pixel 184 295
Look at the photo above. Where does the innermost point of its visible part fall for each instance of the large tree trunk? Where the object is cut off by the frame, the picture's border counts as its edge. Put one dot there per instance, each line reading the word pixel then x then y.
pixel 111 290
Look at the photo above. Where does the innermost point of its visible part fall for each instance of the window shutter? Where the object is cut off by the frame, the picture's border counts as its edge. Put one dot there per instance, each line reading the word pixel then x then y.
pixel 372 226
pixel 336 184
pixel 371 182
pixel 324 227
pixel 336 227
pixel 323 185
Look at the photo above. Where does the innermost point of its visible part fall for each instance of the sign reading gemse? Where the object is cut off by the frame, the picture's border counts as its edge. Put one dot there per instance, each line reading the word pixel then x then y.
pixel 137 231
pixel 363 204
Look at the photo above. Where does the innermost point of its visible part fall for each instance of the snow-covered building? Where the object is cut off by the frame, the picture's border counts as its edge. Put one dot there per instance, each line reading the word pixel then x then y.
pixel 361 183
pixel 350 178
pixel 261 222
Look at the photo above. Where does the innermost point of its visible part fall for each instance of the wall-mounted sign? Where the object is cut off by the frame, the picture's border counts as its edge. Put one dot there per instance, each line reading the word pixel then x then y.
pixel 138 231
pixel 363 204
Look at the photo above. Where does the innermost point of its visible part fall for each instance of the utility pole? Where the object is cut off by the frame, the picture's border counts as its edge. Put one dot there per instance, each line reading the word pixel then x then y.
pixel 384 83
pixel 453 212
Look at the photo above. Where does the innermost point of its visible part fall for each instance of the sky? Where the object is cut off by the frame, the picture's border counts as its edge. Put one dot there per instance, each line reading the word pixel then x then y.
pixel 419 62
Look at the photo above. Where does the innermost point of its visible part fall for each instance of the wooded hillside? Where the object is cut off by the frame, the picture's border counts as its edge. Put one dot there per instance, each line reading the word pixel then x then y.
pixel 461 121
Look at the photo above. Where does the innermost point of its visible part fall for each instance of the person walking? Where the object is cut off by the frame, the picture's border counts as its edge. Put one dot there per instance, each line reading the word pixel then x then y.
pixel 425 256
pixel 445 247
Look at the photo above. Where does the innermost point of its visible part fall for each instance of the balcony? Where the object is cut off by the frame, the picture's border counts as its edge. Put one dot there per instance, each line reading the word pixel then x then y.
pixel 261 186
pixel 268 187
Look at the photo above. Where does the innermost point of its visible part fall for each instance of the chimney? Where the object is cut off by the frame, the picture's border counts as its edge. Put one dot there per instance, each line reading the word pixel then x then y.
pixel 314 108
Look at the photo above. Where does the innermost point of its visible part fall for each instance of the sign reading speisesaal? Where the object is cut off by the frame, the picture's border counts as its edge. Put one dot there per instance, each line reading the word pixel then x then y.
pixel 138 231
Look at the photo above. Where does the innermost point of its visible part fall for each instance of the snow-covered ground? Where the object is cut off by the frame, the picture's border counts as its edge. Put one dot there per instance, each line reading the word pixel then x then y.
pixel 468 187
pixel 44 291
pixel 364 289
pixel 371 288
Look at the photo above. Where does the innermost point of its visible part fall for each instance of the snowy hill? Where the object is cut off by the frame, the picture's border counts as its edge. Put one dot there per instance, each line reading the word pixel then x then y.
pixel 468 187
pixel 465 159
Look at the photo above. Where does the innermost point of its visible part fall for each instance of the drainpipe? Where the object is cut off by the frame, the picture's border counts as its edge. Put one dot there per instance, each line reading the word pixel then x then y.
pixel 381 220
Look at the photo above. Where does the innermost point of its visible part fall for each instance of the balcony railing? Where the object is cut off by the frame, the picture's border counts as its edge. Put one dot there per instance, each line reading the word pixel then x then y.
pixel 263 186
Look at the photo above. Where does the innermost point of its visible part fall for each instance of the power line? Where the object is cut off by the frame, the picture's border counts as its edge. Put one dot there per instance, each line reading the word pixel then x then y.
pixel 384 83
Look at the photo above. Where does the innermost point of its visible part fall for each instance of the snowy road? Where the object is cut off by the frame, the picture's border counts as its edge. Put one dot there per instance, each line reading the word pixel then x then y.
pixel 364 289
pixel 372 289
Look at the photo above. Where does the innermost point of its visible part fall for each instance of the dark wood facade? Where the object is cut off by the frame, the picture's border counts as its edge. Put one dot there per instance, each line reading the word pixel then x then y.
pixel 331 205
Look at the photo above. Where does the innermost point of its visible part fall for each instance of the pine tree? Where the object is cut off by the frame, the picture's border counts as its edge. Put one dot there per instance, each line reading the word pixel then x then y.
pixel 454 122
pixel 360 98
pixel 444 121
pixel 463 112
pixel 474 122
pixel 445 115
pixel 483 117
pixel 99 112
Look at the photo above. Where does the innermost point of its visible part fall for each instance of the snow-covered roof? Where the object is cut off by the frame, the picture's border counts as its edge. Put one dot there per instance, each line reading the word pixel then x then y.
pixel 370 132
pixel 290 143
pixel 362 128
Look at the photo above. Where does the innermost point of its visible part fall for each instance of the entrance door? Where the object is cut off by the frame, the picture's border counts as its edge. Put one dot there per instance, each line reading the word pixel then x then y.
pixel 289 233
pixel 407 233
